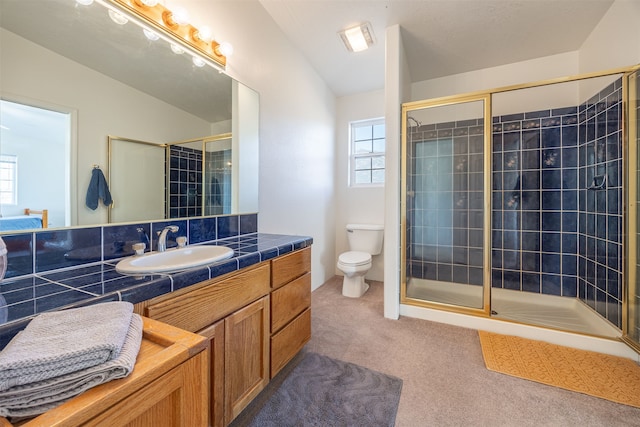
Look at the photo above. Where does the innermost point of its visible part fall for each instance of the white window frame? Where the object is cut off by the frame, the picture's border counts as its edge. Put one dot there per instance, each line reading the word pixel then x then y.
pixel 8 179
pixel 353 156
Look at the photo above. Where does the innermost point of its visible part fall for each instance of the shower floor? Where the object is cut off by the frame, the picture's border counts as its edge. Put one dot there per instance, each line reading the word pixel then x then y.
pixel 569 314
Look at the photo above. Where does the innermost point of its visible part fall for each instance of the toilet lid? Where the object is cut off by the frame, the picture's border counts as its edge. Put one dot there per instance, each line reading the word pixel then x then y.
pixel 354 258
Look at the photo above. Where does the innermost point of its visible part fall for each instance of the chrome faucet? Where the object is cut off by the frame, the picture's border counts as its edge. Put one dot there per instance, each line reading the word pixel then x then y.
pixel 162 237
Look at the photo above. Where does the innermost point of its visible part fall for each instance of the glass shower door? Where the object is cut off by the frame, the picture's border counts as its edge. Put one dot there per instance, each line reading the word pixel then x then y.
pixel 446 213
pixel 632 326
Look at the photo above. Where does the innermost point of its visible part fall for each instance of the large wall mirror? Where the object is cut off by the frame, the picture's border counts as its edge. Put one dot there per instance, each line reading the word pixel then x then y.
pixel 72 77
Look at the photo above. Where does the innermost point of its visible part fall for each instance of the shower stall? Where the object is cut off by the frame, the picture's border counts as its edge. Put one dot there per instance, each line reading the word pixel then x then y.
pixel 519 204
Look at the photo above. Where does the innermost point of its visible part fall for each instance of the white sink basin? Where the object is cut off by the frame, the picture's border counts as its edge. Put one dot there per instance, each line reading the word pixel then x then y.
pixel 173 259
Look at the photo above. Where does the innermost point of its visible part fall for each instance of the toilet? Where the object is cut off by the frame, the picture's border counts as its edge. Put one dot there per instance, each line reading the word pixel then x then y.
pixel 365 240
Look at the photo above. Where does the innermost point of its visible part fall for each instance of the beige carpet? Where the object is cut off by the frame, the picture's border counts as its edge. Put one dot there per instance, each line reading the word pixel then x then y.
pixel 609 377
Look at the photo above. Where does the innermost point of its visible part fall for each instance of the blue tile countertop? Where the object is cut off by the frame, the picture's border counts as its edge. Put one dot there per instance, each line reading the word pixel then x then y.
pixel 100 282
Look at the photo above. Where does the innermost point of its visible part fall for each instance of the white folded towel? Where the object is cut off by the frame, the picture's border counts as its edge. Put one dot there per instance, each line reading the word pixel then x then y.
pixel 57 343
pixel 29 400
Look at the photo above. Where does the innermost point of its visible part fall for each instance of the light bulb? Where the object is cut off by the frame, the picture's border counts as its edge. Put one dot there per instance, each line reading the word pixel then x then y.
pixel 151 35
pixel 84 2
pixel 176 49
pixel 198 62
pixel 117 17
pixel 149 3
pixel 205 34
pixel 225 49
pixel 180 16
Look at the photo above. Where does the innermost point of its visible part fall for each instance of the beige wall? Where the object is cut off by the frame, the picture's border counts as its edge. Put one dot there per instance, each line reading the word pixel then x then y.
pixel 361 205
pixel 297 126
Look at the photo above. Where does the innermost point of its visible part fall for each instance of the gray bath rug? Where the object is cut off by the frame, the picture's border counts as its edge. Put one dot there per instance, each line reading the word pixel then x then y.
pixel 316 390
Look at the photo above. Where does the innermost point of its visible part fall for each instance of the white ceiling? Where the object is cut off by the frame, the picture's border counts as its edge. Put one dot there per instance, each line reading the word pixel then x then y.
pixel 441 37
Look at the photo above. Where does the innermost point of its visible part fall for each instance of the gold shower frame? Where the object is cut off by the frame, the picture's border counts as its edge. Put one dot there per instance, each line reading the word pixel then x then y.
pixel 630 163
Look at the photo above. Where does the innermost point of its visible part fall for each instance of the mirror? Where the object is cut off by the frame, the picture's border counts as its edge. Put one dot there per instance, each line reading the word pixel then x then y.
pixel 107 79
pixel 190 178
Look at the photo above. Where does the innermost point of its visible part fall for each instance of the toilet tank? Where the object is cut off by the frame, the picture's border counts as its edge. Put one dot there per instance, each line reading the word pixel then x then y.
pixel 365 238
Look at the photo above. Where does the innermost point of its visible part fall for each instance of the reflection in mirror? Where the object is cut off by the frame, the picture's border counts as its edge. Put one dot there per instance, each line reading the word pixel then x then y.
pixel 176 180
pixel 111 80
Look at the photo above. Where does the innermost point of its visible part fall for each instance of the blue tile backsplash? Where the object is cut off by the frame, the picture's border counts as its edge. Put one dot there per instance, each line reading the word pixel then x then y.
pixel 77 266
pixel 550 233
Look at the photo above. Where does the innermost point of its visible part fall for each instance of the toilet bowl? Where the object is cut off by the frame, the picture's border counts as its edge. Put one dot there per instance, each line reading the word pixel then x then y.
pixel 364 240
pixel 354 265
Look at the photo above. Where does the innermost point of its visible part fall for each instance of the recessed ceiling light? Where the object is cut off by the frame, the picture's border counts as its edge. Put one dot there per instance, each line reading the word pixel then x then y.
pixel 358 38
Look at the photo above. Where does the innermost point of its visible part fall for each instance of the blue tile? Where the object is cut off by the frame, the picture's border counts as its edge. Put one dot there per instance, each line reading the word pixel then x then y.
pixel 551 221
pixel 569 265
pixel 551 137
pixel 537 114
pixel 569 286
pixel 531 282
pixel 189 277
pixel 569 243
pixel 146 291
pixel 551 263
pixel 228 226
pixel 248 223
pixel 564 111
pixel 19 254
pixel 202 230
pixel 118 239
pixel 551 284
pixel 223 267
pixel 551 242
pixel 552 179
pixel 66 248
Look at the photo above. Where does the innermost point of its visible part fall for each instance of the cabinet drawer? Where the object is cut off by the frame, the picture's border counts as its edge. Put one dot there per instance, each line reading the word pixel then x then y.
pixel 289 341
pixel 289 301
pixel 288 267
pixel 202 307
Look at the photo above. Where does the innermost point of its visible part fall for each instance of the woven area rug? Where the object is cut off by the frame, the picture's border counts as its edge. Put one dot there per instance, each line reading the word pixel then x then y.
pixel 316 390
pixel 609 377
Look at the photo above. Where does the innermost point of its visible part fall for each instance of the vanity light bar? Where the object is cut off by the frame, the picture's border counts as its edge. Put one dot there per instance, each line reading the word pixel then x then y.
pixel 186 34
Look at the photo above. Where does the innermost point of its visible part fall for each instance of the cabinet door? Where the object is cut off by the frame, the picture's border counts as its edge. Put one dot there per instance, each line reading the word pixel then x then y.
pixel 246 338
pixel 173 400
pixel 215 335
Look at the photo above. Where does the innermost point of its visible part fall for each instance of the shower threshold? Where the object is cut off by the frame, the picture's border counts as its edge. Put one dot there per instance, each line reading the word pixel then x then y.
pixel 550 311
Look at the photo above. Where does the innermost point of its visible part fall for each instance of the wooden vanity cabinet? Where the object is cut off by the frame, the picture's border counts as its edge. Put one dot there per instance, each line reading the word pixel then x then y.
pixel 167 388
pixel 255 320
pixel 290 307
pixel 233 313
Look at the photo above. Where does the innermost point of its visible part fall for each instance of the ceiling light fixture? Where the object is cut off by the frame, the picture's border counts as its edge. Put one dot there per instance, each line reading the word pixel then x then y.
pixel 84 2
pixel 358 38
pixel 174 27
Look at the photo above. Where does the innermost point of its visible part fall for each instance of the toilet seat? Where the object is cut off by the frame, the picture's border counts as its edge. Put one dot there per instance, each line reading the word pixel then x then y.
pixel 354 258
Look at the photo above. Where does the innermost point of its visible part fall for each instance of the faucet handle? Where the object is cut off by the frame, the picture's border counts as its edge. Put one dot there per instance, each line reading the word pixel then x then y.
pixel 139 248
pixel 181 241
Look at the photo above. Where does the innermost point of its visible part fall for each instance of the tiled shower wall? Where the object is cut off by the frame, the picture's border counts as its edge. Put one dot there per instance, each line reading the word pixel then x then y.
pixel 218 178
pixel 185 182
pixel 446 223
pixel 600 222
pixel 550 234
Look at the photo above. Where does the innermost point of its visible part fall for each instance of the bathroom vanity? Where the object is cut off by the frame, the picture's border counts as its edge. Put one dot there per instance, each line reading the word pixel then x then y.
pixel 247 317
pixel 256 320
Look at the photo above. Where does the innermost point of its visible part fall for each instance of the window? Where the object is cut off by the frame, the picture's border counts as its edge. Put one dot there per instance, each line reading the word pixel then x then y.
pixel 8 180
pixel 367 153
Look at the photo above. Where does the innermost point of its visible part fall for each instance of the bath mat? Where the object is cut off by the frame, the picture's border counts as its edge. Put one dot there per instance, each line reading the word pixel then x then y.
pixel 609 377
pixel 321 391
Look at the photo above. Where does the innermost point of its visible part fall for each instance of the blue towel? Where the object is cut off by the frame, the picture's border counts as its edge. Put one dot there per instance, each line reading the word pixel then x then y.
pixel 98 189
